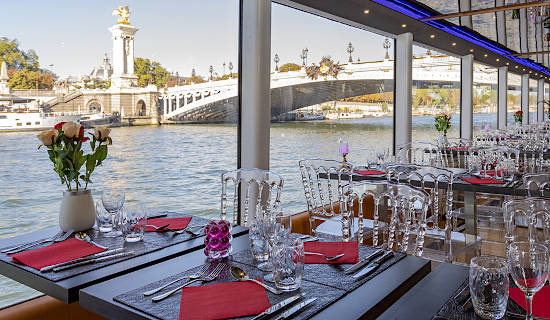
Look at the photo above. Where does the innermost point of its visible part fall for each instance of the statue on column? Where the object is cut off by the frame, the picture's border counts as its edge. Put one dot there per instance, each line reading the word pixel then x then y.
pixel 123 14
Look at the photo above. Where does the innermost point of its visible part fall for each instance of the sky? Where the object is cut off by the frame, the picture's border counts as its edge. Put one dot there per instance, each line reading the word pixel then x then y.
pixel 73 36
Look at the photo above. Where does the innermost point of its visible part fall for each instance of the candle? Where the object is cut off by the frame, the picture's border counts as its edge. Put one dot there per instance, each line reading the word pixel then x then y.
pixel 344 147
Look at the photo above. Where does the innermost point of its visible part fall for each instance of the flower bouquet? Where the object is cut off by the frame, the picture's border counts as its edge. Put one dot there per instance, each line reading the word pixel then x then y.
pixel 518 116
pixel 443 123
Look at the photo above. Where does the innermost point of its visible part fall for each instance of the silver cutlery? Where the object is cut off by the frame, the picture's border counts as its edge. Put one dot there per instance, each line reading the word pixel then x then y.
pixel 310 239
pixel 364 262
pixel 95 260
pixel 65 236
pixel 194 233
pixel 36 243
pixel 278 306
pixel 85 237
pixel 295 309
pixel 33 243
pixel 95 255
pixel 158 228
pixel 158 215
pixel 328 258
pixel 241 275
pixel 213 275
pixel 373 266
pixel 196 275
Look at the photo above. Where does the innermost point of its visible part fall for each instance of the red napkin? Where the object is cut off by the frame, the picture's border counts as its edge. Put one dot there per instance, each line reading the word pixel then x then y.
pixel 541 301
pixel 173 223
pixel 491 172
pixel 56 253
pixel 223 300
pixel 369 172
pixel 482 181
pixel 349 249
pixel 463 148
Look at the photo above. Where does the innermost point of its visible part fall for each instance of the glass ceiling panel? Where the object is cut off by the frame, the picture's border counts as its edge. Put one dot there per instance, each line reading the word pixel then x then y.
pixel 512 29
pixel 531 39
pixel 485 23
pixel 443 6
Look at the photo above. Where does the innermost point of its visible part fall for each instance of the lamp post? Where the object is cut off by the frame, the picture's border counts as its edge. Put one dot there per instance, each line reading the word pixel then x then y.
pixel 211 70
pixel 276 59
pixel 223 68
pixel 193 75
pixel 230 69
pixel 387 45
pixel 303 56
pixel 350 49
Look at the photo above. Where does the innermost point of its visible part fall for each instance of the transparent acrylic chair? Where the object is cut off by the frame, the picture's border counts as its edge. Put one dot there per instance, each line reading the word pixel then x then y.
pixel 442 221
pixel 539 182
pixel 260 194
pixel 324 182
pixel 528 220
pixel 454 153
pixel 419 152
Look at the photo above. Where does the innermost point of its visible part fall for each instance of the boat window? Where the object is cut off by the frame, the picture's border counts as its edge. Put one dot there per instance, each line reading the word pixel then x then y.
pixel 19 124
pixel 29 123
pixel 37 122
pixel 3 117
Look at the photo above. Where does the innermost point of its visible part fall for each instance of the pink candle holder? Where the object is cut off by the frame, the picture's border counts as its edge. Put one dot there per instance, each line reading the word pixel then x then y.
pixel 218 239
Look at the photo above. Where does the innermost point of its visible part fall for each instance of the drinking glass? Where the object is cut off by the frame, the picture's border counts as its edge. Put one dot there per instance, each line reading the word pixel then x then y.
pixel 258 242
pixel 133 222
pixel 528 263
pixel 113 200
pixel 103 217
pixel 288 263
pixel 489 286
pixel 276 225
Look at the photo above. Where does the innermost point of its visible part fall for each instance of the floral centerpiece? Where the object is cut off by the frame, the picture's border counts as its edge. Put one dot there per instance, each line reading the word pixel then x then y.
pixel 65 143
pixel 442 125
pixel 518 116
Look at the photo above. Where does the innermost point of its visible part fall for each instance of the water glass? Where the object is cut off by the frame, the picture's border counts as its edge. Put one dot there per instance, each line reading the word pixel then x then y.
pixel 258 242
pixel 133 222
pixel 528 263
pixel 288 263
pixel 489 286
pixel 113 200
pixel 103 218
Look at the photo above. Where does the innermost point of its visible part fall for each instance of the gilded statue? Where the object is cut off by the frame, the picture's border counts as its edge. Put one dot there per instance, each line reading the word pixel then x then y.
pixel 123 14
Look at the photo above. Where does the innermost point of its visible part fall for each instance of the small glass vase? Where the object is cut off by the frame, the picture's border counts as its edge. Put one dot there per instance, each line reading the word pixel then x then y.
pixel 442 140
pixel 218 239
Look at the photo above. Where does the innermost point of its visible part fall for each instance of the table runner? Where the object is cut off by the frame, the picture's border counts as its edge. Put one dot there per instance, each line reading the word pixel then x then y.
pixel 168 309
pixel 152 241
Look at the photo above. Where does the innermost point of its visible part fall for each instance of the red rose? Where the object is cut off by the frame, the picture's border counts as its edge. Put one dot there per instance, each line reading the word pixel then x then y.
pixel 85 139
pixel 59 125
pixel 81 133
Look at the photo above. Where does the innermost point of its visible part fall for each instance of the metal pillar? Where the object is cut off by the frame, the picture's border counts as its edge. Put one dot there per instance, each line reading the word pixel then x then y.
pixel 465 5
pixel 403 90
pixel 466 96
pixel 525 98
pixel 254 83
pixel 501 24
pixel 540 98
pixel 502 97
pixel 523 29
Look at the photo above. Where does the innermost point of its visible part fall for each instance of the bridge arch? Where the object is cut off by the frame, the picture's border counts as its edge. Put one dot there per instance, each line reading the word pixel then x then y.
pixel 141 108
pixel 94 106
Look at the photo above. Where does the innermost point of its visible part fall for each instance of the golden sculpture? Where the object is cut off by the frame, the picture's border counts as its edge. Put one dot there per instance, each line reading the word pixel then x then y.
pixel 123 14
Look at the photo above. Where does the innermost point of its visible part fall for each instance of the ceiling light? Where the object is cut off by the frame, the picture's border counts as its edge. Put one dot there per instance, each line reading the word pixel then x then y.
pixel 517 67
pixel 523 69
pixel 403 25
pixel 507 63
pixel 498 59
pixel 454 43
pixel 485 55
pixel 471 50
pixel 529 71
pixel 432 36
pixel 366 11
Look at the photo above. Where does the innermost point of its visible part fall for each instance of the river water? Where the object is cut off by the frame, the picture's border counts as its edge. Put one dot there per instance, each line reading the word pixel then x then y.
pixel 178 168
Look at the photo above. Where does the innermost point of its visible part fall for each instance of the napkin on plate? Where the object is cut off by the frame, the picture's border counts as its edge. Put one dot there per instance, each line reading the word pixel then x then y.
pixel 541 301
pixel 349 249
pixel 369 172
pixel 482 181
pixel 173 223
pixel 223 300
pixel 56 253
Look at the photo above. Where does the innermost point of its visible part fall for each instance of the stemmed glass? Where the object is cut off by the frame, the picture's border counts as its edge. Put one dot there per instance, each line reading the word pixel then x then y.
pixel 528 264
pixel 113 200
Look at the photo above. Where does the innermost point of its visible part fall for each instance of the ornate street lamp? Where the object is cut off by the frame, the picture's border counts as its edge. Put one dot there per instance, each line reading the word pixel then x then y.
pixel 350 49
pixel 276 59
pixel 230 69
pixel 223 68
pixel 387 45
pixel 211 70
pixel 193 75
pixel 303 56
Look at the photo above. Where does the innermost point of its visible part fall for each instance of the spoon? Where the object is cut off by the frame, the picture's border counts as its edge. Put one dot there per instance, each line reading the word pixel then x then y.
pixel 85 237
pixel 241 275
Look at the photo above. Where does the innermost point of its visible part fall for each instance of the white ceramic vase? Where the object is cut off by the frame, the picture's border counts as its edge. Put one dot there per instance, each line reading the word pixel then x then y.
pixel 77 211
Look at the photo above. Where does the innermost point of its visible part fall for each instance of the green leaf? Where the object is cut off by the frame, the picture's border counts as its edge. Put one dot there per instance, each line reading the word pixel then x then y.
pixel 101 153
pixel 90 163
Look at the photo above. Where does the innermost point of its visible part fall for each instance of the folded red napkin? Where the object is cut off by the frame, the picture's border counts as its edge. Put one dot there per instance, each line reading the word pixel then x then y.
pixel 369 172
pixel 463 148
pixel 482 181
pixel 349 249
pixel 173 223
pixel 541 301
pixel 56 253
pixel 223 300
pixel 491 172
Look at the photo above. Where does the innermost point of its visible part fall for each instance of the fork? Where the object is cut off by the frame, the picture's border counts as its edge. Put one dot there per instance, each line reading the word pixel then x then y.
pixel 213 275
pixel 329 258
pixel 31 244
pixel 194 233
pixel 158 228
pixel 194 276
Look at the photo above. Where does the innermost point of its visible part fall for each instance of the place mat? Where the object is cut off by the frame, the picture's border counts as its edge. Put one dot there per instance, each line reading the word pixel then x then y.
pixel 168 309
pixel 331 274
pixel 349 249
pixel 482 181
pixel 151 242
pixel 459 308
pixel 369 172
pixel 173 223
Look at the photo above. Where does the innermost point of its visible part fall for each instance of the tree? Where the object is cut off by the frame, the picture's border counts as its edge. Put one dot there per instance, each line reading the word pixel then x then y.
pixel 16 58
pixel 150 73
pixel 26 79
pixel 194 79
pixel 289 67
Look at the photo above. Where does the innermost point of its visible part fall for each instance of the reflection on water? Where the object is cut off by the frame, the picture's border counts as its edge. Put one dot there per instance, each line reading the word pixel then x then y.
pixel 177 168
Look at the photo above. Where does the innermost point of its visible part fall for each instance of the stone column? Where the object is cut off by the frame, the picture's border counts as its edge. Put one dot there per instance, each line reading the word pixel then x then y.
pixel 466 96
pixel 123 56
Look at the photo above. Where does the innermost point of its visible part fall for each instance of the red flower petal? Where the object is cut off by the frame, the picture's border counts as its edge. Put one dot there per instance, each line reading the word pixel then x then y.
pixel 81 133
pixel 59 125
pixel 85 139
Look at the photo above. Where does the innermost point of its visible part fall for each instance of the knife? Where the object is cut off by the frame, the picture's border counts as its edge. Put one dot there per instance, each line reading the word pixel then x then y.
pixel 95 260
pixel 95 255
pixel 370 268
pixel 364 262
pixel 295 309
pixel 278 306
pixel 157 215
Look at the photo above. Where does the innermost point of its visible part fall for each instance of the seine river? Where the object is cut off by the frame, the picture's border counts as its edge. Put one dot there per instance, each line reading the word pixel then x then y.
pixel 178 168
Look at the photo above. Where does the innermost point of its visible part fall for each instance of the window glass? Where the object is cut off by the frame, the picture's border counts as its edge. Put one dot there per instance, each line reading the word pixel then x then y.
pixel 514 96
pixel 485 97
pixel 532 100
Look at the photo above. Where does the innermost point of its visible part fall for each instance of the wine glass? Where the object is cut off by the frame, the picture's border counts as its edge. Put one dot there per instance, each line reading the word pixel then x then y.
pixel 113 200
pixel 528 264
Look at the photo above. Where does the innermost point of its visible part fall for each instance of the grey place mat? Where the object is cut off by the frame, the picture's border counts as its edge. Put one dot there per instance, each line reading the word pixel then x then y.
pixel 332 274
pixel 152 241
pixel 168 308
pixel 458 307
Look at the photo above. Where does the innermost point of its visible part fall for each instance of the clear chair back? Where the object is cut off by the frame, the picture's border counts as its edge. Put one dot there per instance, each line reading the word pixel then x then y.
pixel 537 182
pixel 419 152
pixel 527 220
